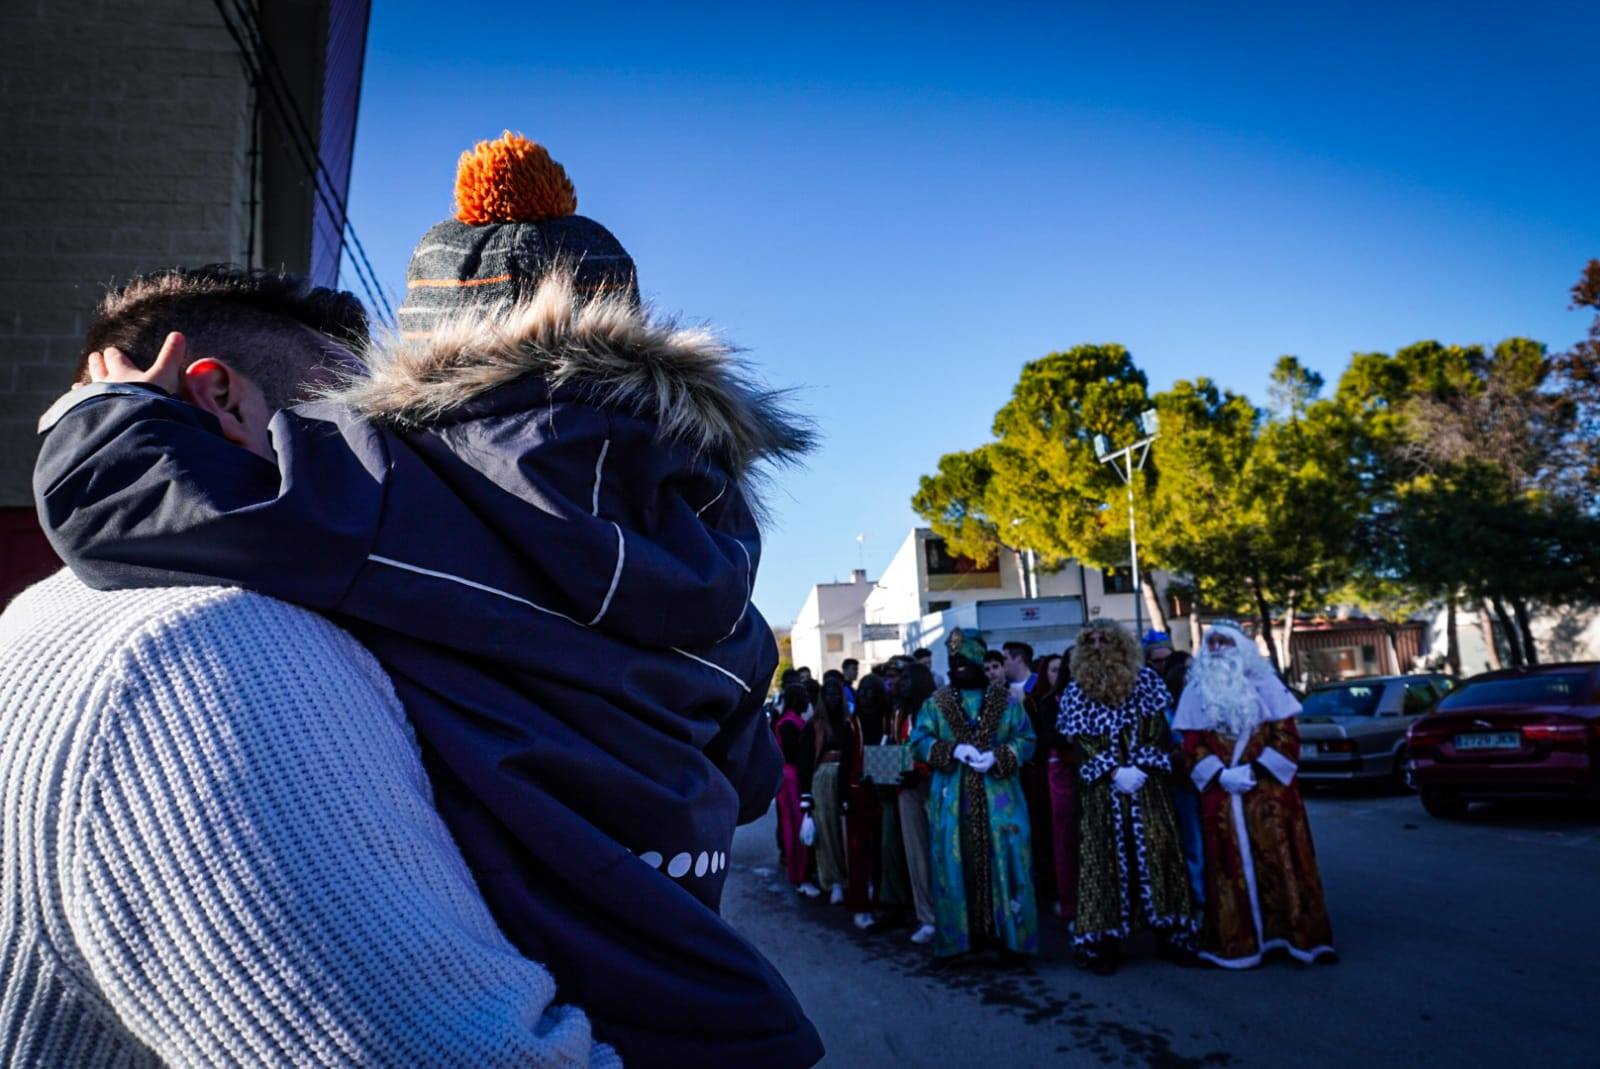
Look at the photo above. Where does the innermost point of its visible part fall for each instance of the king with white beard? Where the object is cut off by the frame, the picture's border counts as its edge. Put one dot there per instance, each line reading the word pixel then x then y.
pixel 1263 890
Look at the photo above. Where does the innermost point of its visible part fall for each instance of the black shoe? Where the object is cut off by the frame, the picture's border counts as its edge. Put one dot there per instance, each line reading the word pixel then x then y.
pixel 1104 959
pixel 1176 952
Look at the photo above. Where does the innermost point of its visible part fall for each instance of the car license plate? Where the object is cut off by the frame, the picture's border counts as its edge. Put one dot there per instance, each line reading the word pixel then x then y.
pixel 1490 740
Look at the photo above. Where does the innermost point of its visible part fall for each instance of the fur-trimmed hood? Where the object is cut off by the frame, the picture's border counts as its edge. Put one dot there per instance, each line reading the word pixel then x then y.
pixel 608 350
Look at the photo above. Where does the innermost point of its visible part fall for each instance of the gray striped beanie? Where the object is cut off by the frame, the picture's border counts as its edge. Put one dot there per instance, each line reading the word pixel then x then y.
pixel 515 221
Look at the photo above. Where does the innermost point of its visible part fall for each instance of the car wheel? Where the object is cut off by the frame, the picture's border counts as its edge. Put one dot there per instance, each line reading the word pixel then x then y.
pixel 1402 774
pixel 1443 804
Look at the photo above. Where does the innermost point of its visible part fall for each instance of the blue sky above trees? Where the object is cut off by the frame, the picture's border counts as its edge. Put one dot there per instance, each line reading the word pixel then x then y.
pixel 894 210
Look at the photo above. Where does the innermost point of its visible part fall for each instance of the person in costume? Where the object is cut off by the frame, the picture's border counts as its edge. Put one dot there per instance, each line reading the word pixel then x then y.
pixel 1173 668
pixel 1131 872
pixel 533 477
pixel 1263 889
pixel 830 739
pixel 794 790
pixel 863 819
pixel 875 710
pixel 975 739
pixel 913 687
pixel 1042 702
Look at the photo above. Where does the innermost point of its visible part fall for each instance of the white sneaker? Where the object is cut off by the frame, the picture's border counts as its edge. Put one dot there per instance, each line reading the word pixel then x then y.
pixel 923 934
pixel 809 889
pixel 865 920
pixel 836 896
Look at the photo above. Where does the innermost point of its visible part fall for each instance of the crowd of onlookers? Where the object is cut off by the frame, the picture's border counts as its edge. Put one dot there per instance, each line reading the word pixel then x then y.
pixel 1122 786
pixel 868 838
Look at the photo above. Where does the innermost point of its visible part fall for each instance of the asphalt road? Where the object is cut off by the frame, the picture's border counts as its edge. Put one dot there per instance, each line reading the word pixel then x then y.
pixel 1463 944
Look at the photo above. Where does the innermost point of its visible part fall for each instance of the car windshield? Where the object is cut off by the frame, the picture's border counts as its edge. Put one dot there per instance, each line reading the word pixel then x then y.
pixel 1351 699
pixel 1553 688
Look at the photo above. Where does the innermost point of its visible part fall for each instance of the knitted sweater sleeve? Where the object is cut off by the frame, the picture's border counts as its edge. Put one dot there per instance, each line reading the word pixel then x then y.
pixel 257 875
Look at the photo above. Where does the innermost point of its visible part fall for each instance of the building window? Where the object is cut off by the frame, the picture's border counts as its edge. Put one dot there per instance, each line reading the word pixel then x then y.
pixel 835 642
pixel 951 571
pixel 1118 580
pixel 938 606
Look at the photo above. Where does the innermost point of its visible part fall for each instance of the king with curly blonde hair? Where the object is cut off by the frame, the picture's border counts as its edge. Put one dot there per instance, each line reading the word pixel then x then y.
pixel 1131 872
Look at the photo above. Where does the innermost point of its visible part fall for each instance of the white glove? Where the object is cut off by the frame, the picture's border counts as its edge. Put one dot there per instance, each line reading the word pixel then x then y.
pixel 1236 780
pixel 965 753
pixel 808 830
pixel 982 763
pixel 1128 780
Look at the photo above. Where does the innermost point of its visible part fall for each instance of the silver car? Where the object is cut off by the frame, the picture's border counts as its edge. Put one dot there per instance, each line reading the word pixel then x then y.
pixel 1356 728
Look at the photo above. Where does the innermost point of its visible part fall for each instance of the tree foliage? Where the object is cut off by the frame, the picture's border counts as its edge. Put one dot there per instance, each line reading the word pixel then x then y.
pixel 1435 473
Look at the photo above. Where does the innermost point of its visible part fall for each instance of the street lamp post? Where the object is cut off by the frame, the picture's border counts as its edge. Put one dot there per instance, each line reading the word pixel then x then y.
pixel 1028 563
pixel 1124 463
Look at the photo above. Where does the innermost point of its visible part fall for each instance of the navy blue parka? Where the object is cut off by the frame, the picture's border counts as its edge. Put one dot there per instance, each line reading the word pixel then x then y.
pixel 540 523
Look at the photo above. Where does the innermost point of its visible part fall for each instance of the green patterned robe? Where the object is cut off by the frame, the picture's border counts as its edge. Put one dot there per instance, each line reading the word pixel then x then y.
pixel 980 845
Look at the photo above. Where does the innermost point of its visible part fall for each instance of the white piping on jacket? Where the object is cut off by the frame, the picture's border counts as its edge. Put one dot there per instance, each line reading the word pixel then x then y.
pixel 701 510
pixel 403 566
pixel 616 576
pixel 599 467
pixel 749 568
pixel 717 667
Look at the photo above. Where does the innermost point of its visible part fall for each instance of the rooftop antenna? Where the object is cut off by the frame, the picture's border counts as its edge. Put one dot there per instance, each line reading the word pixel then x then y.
pixel 861 550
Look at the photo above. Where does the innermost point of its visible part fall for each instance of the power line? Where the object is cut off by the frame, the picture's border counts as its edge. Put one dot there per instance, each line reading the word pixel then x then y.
pixel 257 56
pixel 332 197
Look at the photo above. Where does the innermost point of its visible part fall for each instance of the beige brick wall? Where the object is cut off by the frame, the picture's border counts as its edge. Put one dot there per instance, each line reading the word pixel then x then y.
pixel 124 136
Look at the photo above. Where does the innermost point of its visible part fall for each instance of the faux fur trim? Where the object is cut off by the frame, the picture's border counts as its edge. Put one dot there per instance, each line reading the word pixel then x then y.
pixel 608 347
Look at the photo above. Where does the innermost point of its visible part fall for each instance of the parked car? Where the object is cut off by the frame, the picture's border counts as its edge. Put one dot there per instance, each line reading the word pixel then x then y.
pixel 1355 729
pixel 1518 732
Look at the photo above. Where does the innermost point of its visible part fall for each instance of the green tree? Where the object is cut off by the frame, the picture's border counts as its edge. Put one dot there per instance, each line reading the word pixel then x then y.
pixel 1473 460
pixel 1259 512
pixel 954 502
pixel 1577 379
pixel 1038 485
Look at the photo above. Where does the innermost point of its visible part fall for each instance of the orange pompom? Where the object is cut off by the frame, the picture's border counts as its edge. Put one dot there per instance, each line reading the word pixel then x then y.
pixel 511 180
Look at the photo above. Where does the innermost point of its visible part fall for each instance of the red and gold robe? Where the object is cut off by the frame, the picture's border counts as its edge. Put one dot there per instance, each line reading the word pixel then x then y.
pixel 1263 890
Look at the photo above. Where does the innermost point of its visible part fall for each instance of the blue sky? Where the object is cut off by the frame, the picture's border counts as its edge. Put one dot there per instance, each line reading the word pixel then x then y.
pixel 894 208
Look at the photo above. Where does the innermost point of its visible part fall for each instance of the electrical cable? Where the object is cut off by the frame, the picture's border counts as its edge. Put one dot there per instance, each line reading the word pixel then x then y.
pixel 306 149
pixel 264 50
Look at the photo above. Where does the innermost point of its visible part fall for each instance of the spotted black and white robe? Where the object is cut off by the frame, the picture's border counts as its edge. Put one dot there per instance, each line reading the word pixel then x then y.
pixel 1131 871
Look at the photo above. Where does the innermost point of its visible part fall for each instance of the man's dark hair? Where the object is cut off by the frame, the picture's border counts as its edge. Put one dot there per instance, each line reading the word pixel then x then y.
pixel 917 688
pixel 921 653
pixel 795 699
pixel 848 661
pixel 249 318
pixel 994 657
pixel 1019 649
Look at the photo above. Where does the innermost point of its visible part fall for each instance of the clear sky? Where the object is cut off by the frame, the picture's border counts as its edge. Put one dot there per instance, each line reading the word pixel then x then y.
pixel 894 207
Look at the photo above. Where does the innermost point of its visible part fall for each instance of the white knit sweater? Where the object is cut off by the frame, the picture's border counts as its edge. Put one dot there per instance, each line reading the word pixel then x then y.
pixel 218 848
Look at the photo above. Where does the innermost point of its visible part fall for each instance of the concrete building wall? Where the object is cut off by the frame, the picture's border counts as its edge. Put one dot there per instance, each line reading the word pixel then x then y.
pixel 126 133
pixel 827 631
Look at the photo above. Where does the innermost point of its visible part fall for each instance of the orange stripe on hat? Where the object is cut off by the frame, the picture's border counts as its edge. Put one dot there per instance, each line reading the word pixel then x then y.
pixel 455 283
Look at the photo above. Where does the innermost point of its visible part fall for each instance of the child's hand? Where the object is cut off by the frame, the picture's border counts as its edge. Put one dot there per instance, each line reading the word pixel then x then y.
pixel 166 372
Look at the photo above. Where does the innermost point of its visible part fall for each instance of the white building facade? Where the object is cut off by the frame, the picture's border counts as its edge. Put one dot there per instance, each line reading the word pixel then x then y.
pixel 827 632
pixel 926 590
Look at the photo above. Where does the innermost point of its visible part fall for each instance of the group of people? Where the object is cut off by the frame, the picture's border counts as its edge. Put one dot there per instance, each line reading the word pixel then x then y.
pixel 1130 786
pixel 306 759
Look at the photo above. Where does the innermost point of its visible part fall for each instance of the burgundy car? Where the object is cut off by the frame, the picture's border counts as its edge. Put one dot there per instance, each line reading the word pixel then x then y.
pixel 1515 733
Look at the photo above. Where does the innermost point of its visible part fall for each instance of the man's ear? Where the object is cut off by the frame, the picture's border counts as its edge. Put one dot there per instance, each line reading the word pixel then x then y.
pixel 212 386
